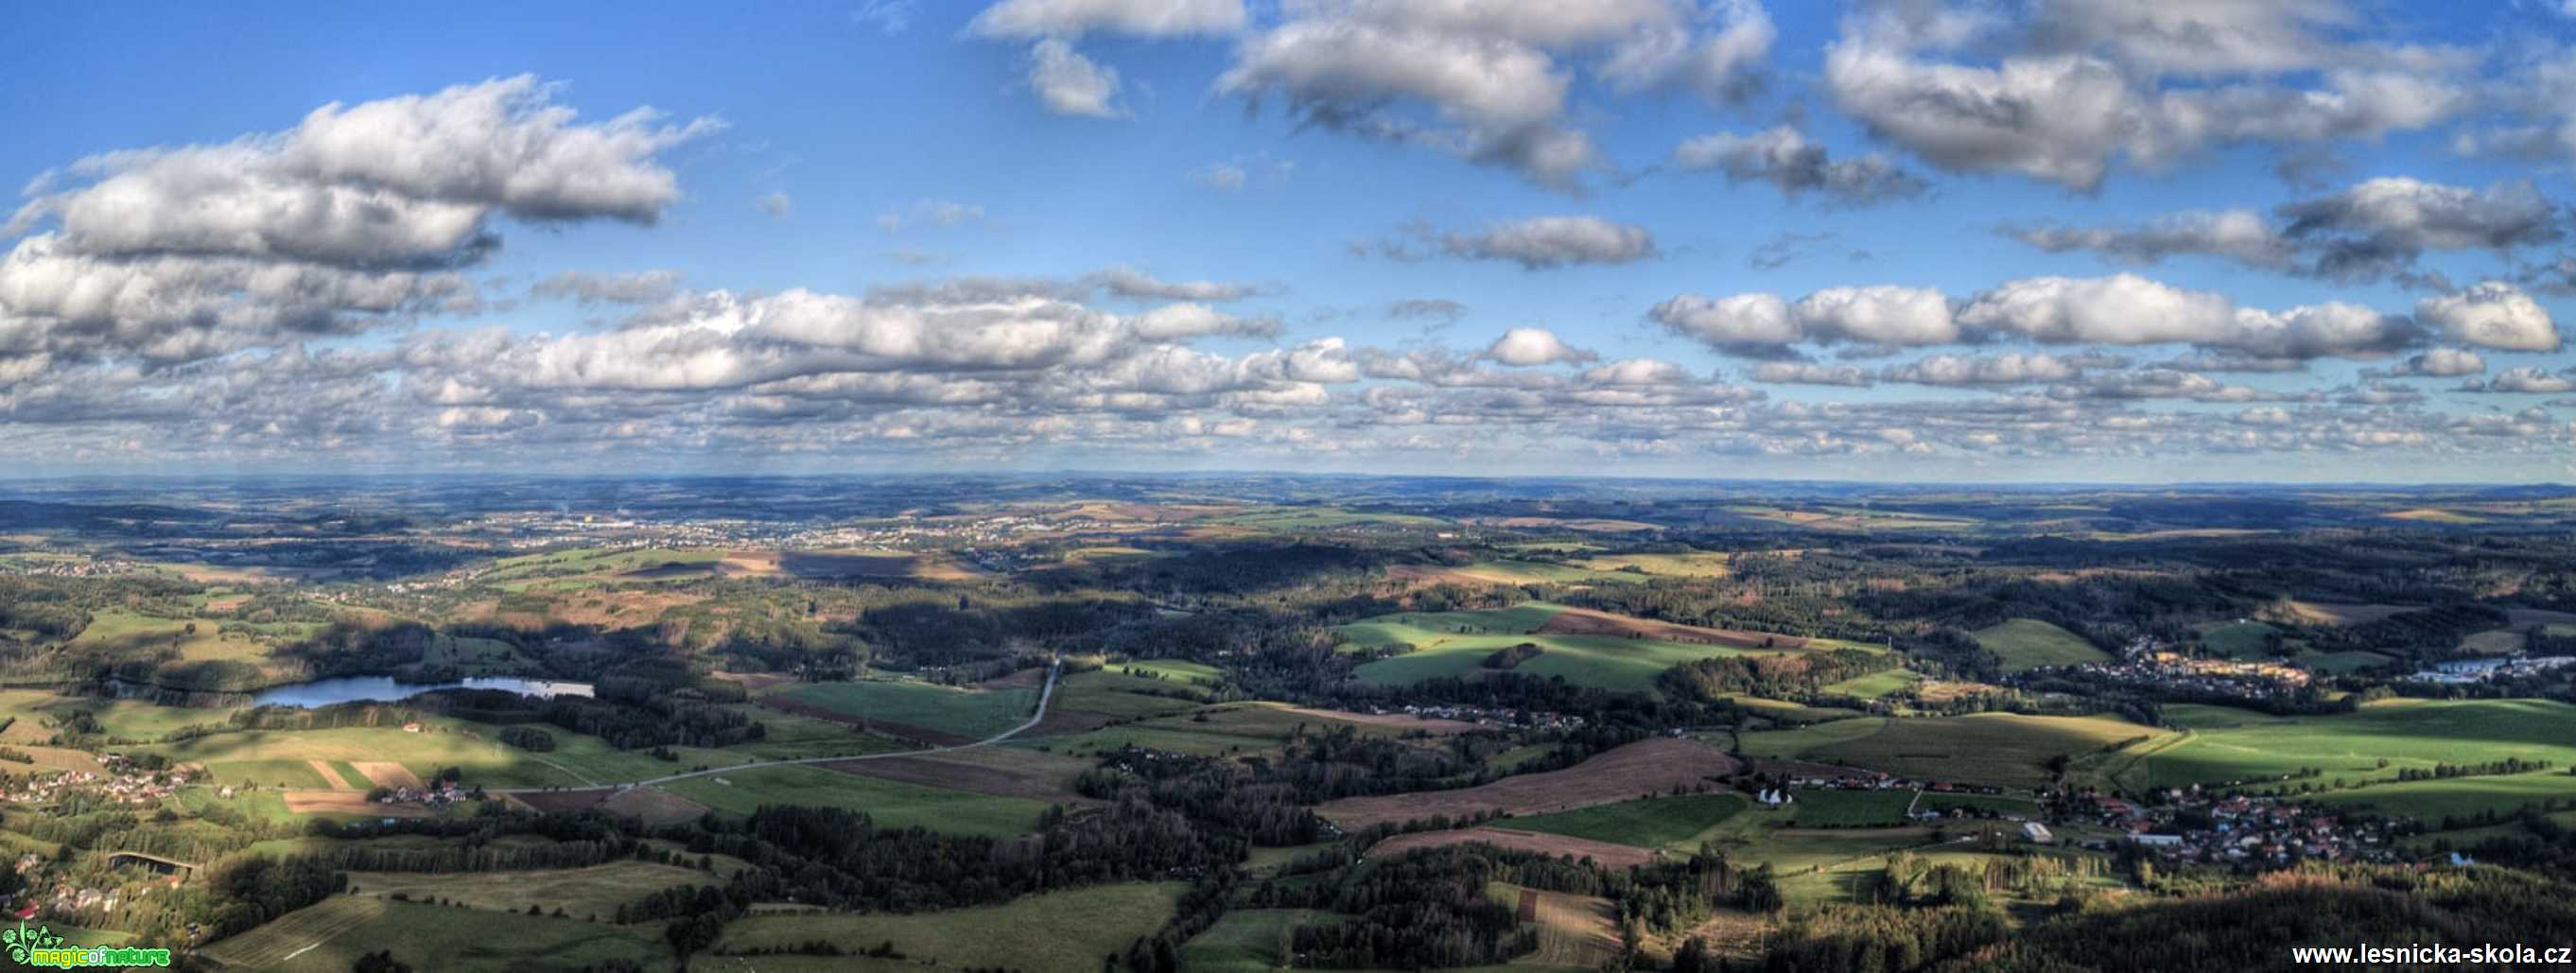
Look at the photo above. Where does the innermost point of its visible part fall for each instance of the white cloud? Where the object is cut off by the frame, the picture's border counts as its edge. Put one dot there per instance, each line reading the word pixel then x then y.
pixel 2242 235
pixel 2526 380
pixel 2085 85
pixel 643 287
pixel 1487 75
pixel 2444 363
pixel 1549 242
pixel 2011 368
pixel 1524 347
pixel 1810 373
pixel 2493 314
pixel 1883 315
pixel 1068 83
pixel 1133 283
pixel 1071 19
pixel 1786 158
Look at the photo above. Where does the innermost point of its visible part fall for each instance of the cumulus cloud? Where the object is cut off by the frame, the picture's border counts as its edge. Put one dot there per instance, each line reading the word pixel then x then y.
pixel 1810 373
pixel 407 181
pixel 1484 81
pixel 2242 235
pixel 1068 83
pixel 2372 230
pixel 1071 19
pixel 1882 315
pixel 642 287
pixel 1065 80
pixel 1130 282
pixel 2086 84
pixel 2525 380
pixel 1539 243
pixel 2492 314
pixel 359 216
pixel 1786 158
pixel 1524 347
pixel 2443 363
pixel 1969 370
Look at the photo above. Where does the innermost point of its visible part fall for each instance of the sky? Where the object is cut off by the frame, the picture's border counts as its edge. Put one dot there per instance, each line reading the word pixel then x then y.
pixel 2025 240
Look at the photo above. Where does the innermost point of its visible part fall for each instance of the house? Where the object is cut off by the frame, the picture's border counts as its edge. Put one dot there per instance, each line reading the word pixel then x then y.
pixel 2157 840
pixel 2037 833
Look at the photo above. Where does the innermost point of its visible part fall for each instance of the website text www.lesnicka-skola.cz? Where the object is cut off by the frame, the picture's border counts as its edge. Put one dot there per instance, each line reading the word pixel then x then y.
pixel 2486 955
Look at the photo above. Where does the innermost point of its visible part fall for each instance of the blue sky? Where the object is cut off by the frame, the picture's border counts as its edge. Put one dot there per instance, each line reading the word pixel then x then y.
pixel 875 236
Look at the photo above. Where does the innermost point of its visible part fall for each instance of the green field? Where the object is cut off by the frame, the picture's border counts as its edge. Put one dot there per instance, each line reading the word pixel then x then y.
pixel 2237 745
pixel 2235 640
pixel 1986 748
pixel 1698 564
pixel 1658 822
pixel 1850 808
pixel 1455 644
pixel 581 892
pixel 429 937
pixel 1212 731
pixel 1123 696
pixel 2025 643
pixel 1514 571
pixel 1176 670
pixel 974 713
pixel 1875 684
pixel 1248 940
pixel 2338 663
pixel 891 804
pixel 2432 800
pixel 1783 711
pixel 1997 803
pixel 271 757
pixel 1051 931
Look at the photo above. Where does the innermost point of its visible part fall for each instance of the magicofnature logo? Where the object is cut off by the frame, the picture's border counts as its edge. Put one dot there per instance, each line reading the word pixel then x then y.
pixel 40 947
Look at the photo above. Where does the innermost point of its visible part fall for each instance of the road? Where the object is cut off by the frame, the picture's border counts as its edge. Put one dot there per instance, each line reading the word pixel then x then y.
pixel 1054 668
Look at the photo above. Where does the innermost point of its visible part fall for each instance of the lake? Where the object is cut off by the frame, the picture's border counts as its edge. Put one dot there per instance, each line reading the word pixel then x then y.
pixel 324 692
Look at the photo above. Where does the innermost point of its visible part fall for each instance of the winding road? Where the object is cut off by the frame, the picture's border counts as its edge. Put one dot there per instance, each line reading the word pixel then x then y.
pixel 1054 668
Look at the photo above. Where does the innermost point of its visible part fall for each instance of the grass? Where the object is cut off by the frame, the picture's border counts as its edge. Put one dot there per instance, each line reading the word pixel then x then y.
pixel 1850 808
pixel 2025 644
pixel 581 892
pixel 1984 802
pixel 891 804
pixel 2235 640
pixel 428 937
pixel 2339 663
pixel 1248 940
pixel 1697 564
pixel 1123 696
pixel 1543 572
pixel 1180 671
pixel 2228 746
pixel 209 659
pixel 1455 644
pixel 2005 749
pixel 973 713
pixel 1052 931
pixel 1227 729
pixel 1660 822
pixel 2430 801
pixel 1875 684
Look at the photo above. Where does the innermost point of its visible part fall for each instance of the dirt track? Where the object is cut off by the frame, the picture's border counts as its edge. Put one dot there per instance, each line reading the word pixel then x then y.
pixel 1645 767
